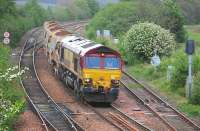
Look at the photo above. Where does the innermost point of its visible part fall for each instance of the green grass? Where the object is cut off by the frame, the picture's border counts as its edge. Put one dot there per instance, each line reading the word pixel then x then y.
pixel 134 85
pixel 192 110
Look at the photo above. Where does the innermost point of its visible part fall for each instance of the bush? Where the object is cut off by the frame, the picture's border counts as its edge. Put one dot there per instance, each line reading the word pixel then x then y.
pixel 11 97
pixel 180 74
pixel 144 38
pixel 196 90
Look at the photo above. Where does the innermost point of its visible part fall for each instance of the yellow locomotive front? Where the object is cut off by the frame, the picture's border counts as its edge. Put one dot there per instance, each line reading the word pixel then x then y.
pixel 101 73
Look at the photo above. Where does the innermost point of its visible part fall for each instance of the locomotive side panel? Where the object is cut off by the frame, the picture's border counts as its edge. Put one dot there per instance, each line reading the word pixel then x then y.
pixel 68 59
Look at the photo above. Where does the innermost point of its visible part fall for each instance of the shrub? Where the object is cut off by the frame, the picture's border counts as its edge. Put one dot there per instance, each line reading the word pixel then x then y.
pixel 11 97
pixel 180 71
pixel 143 38
pixel 180 74
pixel 196 90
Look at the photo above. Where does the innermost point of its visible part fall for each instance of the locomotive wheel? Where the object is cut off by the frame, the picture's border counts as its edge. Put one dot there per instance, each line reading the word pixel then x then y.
pixel 66 83
pixel 55 71
pixel 60 75
pixel 82 98
pixel 76 90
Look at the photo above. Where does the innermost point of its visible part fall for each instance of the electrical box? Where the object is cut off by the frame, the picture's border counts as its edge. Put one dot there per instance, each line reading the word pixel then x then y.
pixel 190 47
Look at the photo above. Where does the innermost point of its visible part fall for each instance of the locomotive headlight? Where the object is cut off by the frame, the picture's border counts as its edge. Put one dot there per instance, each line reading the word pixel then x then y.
pixel 88 80
pixel 115 81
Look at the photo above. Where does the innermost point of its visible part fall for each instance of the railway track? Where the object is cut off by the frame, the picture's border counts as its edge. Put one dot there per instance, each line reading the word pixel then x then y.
pixel 74 24
pixel 175 120
pixel 117 118
pixel 49 112
pixel 75 27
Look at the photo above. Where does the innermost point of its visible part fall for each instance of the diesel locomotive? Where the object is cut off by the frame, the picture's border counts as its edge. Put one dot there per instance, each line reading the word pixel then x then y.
pixel 92 70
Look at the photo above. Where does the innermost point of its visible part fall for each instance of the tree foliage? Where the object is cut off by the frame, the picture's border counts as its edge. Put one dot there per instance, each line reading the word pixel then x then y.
pixel 181 69
pixel 34 12
pixel 83 9
pixel 7 7
pixel 93 6
pixel 117 18
pixel 20 20
pixel 196 90
pixel 190 9
pixel 11 98
pixel 145 38
pixel 173 19
pixel 120 17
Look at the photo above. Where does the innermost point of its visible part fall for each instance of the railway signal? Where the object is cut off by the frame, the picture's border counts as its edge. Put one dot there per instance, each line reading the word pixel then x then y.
pixel 190 48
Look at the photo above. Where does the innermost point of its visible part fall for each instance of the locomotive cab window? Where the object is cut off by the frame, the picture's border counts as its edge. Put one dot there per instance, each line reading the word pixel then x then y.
pixel 92 62
pixel 111 63
pixel 103 62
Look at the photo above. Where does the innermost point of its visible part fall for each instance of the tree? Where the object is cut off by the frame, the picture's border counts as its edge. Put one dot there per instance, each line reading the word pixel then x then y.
pixel 82 9
pixel 35 12
pixel 173 19
pixel 60 14
pixel 117 18
pixel 143 39
pixel 7 7
pixel 94 6
pixel 120 17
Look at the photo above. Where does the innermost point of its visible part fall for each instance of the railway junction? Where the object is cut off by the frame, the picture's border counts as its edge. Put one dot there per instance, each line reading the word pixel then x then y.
pixel 58 109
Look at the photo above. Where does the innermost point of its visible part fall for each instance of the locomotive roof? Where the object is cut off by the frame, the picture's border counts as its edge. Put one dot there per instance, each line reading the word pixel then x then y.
pixel 79 45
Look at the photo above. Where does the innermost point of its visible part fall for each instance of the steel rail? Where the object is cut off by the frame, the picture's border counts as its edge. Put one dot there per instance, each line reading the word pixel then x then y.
pixel 41 115
pixel 146 105
pixel 103 117
pixel 145 128
pixel 115 109
pixel 73 123
pixel 74 23
pixel 30 100
pixel 144 86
